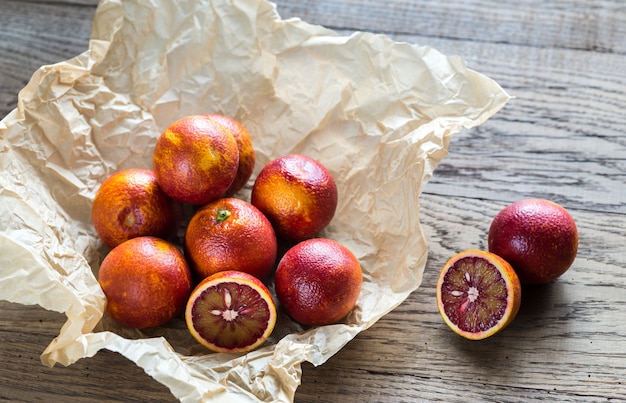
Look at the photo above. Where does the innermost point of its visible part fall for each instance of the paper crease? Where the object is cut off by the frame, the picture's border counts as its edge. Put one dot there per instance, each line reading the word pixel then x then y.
pixel 379 114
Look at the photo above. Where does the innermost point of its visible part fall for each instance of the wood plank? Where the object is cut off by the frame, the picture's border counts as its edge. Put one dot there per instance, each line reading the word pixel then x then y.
pixel 36 34
pixel 569 24
pixel 560 93
pixel 564 345
pixel 25 332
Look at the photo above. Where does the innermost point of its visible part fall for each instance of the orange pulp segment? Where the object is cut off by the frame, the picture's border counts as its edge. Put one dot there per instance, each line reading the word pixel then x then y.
pixel 478 294
pixel 230 312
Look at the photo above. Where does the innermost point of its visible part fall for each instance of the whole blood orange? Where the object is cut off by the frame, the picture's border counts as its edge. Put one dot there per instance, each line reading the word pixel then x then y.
pixel 230 234
pixel 130 203
pixel 537 237
pixel 298 195
pixel 146 281
pixel 196 159
pixel 247 157
pixel 318 281
pixel 230 312
pixel 478 294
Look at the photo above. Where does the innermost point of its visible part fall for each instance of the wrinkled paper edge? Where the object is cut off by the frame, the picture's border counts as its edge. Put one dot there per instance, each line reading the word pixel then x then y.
pixel 50 273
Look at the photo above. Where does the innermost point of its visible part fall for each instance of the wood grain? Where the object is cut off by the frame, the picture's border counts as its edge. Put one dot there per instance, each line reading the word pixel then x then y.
pixel 560 137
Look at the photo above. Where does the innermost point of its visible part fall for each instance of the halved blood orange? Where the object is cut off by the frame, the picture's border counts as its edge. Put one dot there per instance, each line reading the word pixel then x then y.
pixel 478 294
pixel 230 312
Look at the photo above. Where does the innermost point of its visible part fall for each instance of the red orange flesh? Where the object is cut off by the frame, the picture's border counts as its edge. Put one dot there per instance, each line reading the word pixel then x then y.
pixel 478 294
pixel 231 312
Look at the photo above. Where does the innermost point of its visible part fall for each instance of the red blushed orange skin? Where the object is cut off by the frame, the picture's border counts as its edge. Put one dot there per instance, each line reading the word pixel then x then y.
pixel 146 281
pixel 298 195
pixel 537 237
pixel 130 203
pixel 318 281
pixel 247 157
pixel 196 159
pixel 243 241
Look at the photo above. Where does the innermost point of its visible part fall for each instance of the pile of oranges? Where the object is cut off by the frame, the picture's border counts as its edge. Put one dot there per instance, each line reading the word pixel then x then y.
pixel 218 275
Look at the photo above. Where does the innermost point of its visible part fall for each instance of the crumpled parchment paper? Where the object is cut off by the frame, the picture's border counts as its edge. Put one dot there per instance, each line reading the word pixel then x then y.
pixel 379 114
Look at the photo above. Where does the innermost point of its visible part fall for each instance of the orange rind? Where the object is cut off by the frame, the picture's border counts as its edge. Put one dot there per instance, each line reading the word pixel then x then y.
pixel 230 312
pixel 478 294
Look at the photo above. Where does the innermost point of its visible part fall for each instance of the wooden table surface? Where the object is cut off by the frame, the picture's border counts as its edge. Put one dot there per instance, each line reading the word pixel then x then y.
pixel 561 137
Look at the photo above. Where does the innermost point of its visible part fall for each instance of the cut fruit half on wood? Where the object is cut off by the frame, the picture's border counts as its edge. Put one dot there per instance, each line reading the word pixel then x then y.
pixel 478 294
pixel 230 312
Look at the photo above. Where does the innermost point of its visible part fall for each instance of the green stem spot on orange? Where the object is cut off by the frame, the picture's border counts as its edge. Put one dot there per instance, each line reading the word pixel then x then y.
pixel 222 214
